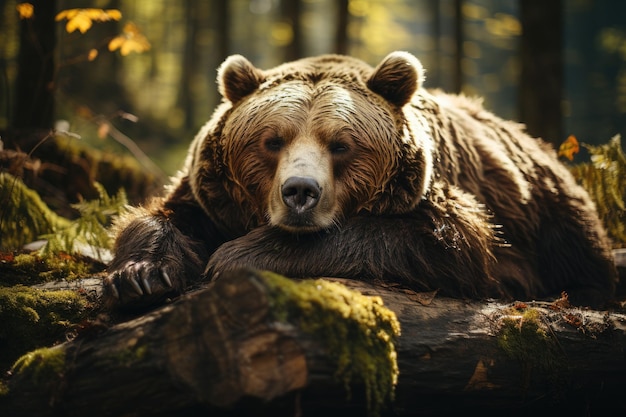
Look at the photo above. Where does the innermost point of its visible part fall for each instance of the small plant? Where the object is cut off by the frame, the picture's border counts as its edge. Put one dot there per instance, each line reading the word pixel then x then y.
pixel 24 217
pixel 90 228
pixel 604 177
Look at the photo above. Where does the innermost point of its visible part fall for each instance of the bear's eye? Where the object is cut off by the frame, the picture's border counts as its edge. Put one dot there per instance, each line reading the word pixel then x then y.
pixel 274 144
pixel 338 148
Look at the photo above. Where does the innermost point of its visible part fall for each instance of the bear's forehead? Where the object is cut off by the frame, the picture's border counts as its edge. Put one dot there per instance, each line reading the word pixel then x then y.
pixel 299 100
pixel 326 69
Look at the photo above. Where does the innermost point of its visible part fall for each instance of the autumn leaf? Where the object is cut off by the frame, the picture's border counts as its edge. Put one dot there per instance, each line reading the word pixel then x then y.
pixel 25 10
pixel 569 148
pixel 93 54
pixel 82 19
pixel 131 40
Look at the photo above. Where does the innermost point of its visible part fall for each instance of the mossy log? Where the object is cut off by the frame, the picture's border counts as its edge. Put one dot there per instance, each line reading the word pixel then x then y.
pixel 226 350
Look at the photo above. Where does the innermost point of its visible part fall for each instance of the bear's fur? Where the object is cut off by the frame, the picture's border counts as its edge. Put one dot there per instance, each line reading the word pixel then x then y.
pixel 328 167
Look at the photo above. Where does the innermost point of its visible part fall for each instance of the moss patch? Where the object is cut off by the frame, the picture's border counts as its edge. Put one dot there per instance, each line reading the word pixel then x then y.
pixel 41 365
pixel 132 354
pixel 524 337
pixel 24 216
pixel 358 331
pixel 30 318
pixel 32 268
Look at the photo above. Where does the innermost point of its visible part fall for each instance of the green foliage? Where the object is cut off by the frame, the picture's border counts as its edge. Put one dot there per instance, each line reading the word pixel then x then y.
pixel 90 228
pixel 31 268
pixel 23 215
pixel 525 338
pixel 358 331
pixel 25 218
pixel 31 318
pixel 605 180
pixel 42 365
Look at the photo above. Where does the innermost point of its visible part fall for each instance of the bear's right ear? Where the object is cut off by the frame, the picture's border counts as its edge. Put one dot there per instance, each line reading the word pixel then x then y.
pixel 237 78
pixel 397 77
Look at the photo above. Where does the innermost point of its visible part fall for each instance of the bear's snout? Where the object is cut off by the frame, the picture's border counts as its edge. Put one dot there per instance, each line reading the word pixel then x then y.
pixel 301 193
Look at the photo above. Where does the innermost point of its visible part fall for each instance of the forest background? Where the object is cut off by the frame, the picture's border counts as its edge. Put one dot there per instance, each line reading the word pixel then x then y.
pixel 558 66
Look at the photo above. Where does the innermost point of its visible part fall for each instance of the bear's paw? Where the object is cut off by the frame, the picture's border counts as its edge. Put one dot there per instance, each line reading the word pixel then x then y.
pixel 143 282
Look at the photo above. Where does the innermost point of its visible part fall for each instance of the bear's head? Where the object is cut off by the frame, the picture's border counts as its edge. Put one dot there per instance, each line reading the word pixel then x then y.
pixel 311 142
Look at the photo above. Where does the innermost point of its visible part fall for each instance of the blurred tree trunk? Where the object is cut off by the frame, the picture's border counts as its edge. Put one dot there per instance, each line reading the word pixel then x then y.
pixel 222 27
pixel 341 35
pixel 34 102
pixel 541 83
pixel 191 59
pixel 458 41
pixel 291 13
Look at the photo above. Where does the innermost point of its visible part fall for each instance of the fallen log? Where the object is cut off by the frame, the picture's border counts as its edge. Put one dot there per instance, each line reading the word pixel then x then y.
pixel 234 349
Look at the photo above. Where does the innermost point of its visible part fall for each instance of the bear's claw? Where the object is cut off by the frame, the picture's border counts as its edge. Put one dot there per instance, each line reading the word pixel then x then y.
pixel 139 282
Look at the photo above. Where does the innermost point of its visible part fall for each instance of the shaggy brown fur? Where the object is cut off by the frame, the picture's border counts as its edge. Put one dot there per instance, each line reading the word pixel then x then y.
pixel 329 167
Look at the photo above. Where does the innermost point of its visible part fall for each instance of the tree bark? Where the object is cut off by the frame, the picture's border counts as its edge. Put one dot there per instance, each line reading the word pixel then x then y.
pixel 221 351
pixel 34 105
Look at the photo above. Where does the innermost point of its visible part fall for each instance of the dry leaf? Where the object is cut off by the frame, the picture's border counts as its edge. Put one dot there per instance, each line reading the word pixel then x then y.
pixel 25 10
pixel 93 54
pixel 103 130
pixel 569 148
pixel 423 297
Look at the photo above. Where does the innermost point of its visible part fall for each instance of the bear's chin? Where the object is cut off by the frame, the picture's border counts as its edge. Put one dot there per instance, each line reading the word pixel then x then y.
pixel 302 223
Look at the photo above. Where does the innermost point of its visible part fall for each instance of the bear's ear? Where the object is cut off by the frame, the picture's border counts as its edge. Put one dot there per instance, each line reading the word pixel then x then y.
pixel 397 77
pixel 237 78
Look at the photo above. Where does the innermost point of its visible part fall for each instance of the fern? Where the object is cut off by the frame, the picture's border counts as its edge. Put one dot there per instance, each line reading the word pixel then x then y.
pixel 24 217
pixel 605 180
pixel 90 228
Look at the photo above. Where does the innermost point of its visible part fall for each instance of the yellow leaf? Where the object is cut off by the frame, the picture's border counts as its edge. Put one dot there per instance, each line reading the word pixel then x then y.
pixel 569 148
pixel 80 22
pixel 116 42
pixel 66 14
pixel 114 14
pixel 93 54
pixel 103 15
pixel 82 19
pixel 25 10
pixel 131 40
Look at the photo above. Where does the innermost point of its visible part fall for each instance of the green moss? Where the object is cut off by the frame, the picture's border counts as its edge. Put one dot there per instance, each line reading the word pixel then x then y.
pixel 4 389
pixel 24 216
pixel 41 365
pixel 30 318
pixel 358 331
pixel 31 268
pixel 524 337
pixel 133 354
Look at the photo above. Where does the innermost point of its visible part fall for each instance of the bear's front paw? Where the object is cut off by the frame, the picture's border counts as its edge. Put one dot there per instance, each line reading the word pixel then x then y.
pixel 141 284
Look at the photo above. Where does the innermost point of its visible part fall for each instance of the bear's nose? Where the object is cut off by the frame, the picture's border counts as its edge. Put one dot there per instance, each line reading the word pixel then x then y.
pixel 301 193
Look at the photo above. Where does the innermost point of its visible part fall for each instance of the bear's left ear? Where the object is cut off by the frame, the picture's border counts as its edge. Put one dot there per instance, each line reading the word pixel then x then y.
pixel 397 77
pixel 237 78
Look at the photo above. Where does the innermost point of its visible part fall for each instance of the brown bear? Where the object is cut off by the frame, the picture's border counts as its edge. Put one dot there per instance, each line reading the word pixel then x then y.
pixel 328 167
